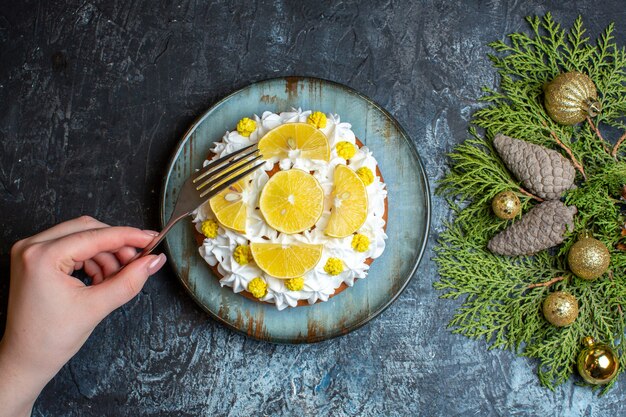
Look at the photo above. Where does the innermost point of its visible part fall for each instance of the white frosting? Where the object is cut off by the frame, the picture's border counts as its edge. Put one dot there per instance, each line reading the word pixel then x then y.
pixel 318 285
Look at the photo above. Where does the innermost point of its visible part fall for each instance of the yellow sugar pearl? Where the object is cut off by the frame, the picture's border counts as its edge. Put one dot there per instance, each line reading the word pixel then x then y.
pixel 334 266
pixel 209 228
pixel 242 254
pixel 345 150
pixel 360 243
pixel 317 119
pixel 246 126
pixel 366 175
pixel 295 284
pixel 257 287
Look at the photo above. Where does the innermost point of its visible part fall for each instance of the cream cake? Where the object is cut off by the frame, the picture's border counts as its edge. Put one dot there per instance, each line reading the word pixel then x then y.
pixel 308 223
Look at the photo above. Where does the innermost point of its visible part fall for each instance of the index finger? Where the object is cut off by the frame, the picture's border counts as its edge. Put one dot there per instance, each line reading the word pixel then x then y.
pixel 66 228
pixel 86 244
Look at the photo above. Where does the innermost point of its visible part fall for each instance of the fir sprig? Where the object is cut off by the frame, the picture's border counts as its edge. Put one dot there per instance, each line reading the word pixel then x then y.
pixel 503 295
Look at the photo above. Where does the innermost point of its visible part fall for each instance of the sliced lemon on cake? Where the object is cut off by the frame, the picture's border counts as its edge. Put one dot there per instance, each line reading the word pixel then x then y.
pixel 229 207
pixel 292 201
pixel 349 209
pixel 286 261
pixel 309 141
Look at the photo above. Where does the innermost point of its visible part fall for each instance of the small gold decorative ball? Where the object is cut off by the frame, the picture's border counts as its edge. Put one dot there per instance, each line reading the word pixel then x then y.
pixel 560 308
pixel 570 97
pixel 588 258
pixel 597 362
pixel 506 205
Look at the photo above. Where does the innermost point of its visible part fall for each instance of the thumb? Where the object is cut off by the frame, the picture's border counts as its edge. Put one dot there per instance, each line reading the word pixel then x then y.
pixel 126 284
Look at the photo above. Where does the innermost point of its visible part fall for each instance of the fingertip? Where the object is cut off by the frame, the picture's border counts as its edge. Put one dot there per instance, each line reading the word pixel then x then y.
pixel 156 264
pixel 92 269
pixel 97 279
pixel 108 262
pixel 126 254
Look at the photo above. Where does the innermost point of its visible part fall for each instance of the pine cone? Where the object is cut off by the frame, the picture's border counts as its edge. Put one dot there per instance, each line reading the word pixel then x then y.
pixel 543 172
pixel 541 228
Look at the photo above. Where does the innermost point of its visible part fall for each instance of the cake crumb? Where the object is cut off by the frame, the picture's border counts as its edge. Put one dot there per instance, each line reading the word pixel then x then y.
pixel 334 266
pixel 209 228
pixel 345 150
pixel 242 254
pixel 295 284
pixel 246 126
pixel 317 119
pixel 366 175
pixel 360 243
pixel 257 287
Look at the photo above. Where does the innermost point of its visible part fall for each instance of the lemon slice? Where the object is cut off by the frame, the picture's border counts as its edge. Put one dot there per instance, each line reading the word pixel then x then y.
pixel 349 209
pixel 309 141
pixel 286 261
pixel 292 201
pixel 229 207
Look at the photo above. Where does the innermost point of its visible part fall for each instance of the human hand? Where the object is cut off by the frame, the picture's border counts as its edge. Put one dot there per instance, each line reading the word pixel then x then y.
pixel 51 314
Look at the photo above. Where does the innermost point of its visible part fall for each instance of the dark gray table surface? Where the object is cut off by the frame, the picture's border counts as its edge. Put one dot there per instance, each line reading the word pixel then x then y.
pixel 94 97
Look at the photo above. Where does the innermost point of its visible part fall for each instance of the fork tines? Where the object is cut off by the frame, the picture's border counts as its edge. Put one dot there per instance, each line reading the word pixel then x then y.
pixel 227 170
pixel 204 171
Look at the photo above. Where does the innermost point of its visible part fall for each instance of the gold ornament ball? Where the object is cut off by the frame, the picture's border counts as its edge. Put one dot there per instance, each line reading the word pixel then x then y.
pixel 571 97
pixel 506 205
pixel 597 362
pixel 588 258
pixel 560 308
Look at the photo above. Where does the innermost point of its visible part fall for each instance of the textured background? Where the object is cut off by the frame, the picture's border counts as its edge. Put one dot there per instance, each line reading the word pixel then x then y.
pixel 93 99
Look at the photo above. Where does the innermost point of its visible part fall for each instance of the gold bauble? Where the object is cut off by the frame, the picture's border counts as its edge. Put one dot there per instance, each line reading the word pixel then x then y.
pixel 588 258
pixel 560 308
pixel 597 362
pixel 506 205
pixel 571 97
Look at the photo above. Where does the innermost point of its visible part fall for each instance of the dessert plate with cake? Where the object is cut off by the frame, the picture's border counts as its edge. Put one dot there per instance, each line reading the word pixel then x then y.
pixel 323 237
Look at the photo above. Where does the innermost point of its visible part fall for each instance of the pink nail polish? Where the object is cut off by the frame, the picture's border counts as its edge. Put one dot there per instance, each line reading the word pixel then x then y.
pixel 151 232
pixel 157 264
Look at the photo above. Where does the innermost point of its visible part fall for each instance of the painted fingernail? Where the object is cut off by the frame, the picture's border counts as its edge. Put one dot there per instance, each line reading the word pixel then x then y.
pixel 157 264
pixel 151 232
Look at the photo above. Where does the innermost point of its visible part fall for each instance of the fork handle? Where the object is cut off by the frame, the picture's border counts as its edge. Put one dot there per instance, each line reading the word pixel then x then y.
pixel 158 238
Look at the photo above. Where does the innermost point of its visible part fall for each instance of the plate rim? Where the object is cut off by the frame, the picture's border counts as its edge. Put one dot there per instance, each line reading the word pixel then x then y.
pixel 335 333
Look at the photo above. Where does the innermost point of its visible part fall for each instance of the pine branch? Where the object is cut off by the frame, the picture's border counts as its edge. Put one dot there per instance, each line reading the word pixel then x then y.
pixel 577 164
pixel 502 296
pixel 547 283
pixel 529 194
pixel 617 145
pixel 593 127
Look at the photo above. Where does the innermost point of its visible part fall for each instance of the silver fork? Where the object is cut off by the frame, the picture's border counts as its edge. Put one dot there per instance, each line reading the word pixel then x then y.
pixel 206 183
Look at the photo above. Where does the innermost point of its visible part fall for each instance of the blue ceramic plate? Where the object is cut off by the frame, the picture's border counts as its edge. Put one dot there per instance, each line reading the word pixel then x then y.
pixel 408 213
